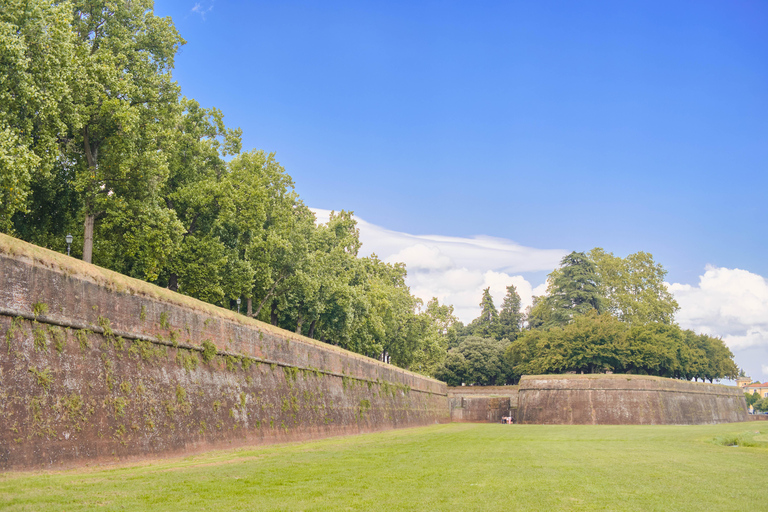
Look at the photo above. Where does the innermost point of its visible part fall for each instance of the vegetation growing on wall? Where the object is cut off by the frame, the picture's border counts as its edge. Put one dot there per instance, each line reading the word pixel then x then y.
pixel 146 390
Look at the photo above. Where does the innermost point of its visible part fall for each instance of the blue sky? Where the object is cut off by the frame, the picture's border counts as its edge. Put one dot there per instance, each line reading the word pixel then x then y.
pixel 553 126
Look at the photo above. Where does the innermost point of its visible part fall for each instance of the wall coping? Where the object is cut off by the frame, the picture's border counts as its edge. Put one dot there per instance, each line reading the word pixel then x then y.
pixel 586 382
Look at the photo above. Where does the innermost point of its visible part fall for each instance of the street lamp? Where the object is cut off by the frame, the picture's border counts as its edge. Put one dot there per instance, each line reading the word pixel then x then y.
pixel 238 305
pixel 69 239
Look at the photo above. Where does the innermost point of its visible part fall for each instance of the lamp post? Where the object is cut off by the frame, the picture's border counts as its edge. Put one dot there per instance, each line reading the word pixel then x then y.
pixel 238 305
pixel 69 239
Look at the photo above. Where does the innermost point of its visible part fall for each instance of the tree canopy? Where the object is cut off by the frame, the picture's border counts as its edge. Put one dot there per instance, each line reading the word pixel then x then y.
pixel 96 140
pixel 596 343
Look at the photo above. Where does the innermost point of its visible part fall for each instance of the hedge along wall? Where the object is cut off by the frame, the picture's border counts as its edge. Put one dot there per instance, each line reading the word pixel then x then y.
pixel 97 366
pixel 626 400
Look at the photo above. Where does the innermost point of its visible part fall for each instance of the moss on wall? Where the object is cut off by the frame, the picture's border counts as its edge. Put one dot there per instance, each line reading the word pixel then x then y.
pixel 96 367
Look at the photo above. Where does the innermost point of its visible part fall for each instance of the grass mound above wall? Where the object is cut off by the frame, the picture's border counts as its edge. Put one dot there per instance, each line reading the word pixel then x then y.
pixel 442 467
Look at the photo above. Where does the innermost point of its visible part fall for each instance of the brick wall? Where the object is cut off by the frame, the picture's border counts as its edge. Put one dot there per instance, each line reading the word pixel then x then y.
pixel 626 400
pixel 96 366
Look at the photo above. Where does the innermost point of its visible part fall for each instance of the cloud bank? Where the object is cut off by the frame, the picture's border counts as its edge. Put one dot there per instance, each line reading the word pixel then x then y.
pixel 731 303
pixel 457 269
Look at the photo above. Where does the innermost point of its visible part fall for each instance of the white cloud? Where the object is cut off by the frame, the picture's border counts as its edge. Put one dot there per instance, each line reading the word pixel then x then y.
pixel 457 269
pixel 422 257
pixel 202 8
pixel 731 303
pixel 764 368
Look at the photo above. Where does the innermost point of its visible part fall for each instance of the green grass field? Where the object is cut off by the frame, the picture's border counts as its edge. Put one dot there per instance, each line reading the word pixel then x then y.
pixel 443 467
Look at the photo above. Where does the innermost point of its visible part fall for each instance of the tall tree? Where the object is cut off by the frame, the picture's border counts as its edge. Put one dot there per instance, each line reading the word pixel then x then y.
pixel 125 99
pixel 487 324
pixel 510 317
pixel 634 287
pixel 196 191
pixel 37 51
pixel 574 289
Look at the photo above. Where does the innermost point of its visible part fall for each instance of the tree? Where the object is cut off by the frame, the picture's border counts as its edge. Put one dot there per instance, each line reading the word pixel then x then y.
pixel 125 100
pixel 660 349
pixel 197 191
pixel 539 314
pixel 454 370
pixel 437 326
pixel 477 361
pixel 634 287
pixel 36 97
pixel 752 398
pixel 591 343
pixel 573 290
pixel 595 343
pixel 510 317
pixel 487 324
pixel 761 405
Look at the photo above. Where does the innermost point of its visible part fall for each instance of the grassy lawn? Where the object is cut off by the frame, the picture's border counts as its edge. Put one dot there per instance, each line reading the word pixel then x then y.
pixel 443 467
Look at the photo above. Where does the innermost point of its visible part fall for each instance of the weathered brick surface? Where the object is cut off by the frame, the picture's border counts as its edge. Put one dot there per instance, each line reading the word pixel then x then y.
pixel 112 368
pixel 626 400
pixel 482 404
pixel 479 409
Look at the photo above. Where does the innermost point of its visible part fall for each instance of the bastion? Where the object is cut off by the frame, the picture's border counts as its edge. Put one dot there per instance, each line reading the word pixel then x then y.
pixel 96 366
pixel 620 399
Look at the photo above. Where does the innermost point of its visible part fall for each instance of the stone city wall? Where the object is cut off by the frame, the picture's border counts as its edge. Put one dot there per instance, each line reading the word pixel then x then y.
pixel 482 404
pixel 626 400
pixel 96 366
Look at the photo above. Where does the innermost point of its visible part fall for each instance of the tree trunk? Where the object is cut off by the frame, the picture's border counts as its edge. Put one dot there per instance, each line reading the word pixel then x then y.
pixel 88 238
pixel 91 156
pixel 312 328
pixel 249 306
pixel 269 294
pixel 299 323
pixel 273 313
pixel 173 282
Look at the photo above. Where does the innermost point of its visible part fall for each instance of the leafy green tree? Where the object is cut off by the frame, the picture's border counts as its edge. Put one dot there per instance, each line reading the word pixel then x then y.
pixel 125 101
pixel 752 398
pixel 197 192
pixel 328 290
pixel 436 327
pixel 487 324
pixel 510 317
pixel 718 358
pixel 539 314
pixel 659 349
pixel 595 343
pixel 454 369
pixel 36 98
pixel 761 405
pixel 51 213
pixel 442 316
pixel 634 287
pixel 591 343
pixel 479 361
pixel 575 288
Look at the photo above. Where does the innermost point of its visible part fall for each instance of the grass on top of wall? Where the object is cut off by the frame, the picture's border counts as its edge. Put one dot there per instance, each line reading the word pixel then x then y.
pixel 482 467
